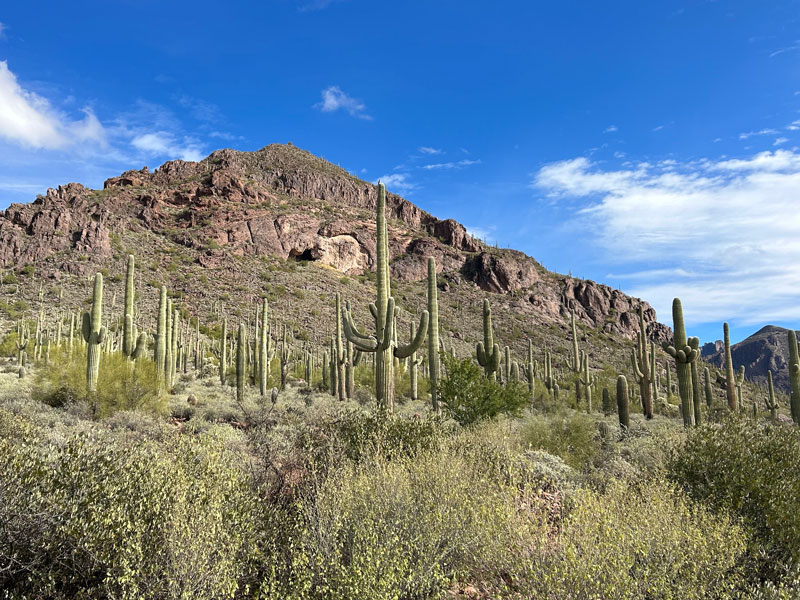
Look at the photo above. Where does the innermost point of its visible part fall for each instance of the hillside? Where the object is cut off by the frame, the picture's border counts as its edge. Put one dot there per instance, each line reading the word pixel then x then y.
pixel 286 224
pixel 766 350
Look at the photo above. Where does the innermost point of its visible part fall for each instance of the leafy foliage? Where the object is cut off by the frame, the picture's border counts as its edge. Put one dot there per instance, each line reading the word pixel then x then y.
pixel 468 397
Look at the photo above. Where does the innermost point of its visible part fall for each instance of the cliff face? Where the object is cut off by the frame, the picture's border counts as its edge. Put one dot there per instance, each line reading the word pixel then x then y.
pixel 230 211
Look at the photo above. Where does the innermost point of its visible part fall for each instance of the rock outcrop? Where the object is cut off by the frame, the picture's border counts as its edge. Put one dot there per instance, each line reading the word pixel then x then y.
pixel 284 202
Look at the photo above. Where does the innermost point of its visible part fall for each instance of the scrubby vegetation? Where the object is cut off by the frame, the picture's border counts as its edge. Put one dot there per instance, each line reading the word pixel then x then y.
pixel 251 460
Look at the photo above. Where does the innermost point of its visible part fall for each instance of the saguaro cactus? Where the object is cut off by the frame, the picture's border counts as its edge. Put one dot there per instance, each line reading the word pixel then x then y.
pixel 487 352
pixel 739 385
pixel 772 403
pixel 642 367
pixel 622 402
pixel 529 369
pixel 341 358
pixel 94 334
pixel 223 353
pixel 413 367
pixel 241 361
pixel 794 377
pixel 709 391
pixel 684 351
pixel 696 394
pixel 128 333
pixel 263 352
pixel 433 334
pixel 587 381
pixel 575 364
pixel 383 344
pixel 730 378
pixel 608 407
pixel 161 336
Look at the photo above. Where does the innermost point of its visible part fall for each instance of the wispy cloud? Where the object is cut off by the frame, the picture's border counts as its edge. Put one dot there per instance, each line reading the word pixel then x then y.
pixel 162 143
pixel 720 234
pixel 429 150
pixel 453 165
pixel 749 134
pixel 334 99
pixel 657 128
pixel 794 125
pixel 28 119
pixel 791 48
pixel 611 129
pixel 397 182
pixel 3 28
pixel 780 141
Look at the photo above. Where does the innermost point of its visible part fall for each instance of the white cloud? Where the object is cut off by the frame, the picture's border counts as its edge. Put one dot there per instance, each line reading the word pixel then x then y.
pixel 658 128
pixel 794 125
pixel 397 182
pixel 611 129
pixel 162 143
pixel 780 141
pixel 429 150
pixel 749 134
pixel 452 165
pixel 721 235
pixel 334 98
pixel 29 120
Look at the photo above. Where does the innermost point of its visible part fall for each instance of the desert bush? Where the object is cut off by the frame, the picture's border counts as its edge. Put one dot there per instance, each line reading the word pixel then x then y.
pixel 468 397
pixel 750 469
pixel 648 541
pixel 122 385
pixel 574 437
pixel 100 518
pixel 408 528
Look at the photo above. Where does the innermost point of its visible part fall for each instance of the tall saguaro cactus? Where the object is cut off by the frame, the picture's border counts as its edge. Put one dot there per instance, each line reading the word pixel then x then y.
pixel 772 403
pixel 587 381
pixel 487 352
pixel 622 402
pixel 128 339
pixel 433 334
pixel 730 377
pixel 241 361
pixel 383 343
pixel 341 358
pixel 94 334
pixel 709 391
pixel 794 377
pixel 161 337
pixel 684 352
pixel 641 360
pixel 263 351
pixel 739 385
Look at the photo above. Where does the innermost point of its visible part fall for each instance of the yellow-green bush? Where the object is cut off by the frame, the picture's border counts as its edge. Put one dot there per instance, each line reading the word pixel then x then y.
pixel 122 384
pixel 648 541
pixel 574 437
pixel 99 518
pixel 406 528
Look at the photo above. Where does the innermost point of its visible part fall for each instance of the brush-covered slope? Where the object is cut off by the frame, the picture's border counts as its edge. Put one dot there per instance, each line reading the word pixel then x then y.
pixel 283 223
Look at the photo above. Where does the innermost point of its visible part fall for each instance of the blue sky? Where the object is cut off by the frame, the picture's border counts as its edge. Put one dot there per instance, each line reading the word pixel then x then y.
pixel 652 146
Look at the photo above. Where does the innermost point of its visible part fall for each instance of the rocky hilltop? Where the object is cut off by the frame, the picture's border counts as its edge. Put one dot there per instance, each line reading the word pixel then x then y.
pixel 284 223
pixel 766 350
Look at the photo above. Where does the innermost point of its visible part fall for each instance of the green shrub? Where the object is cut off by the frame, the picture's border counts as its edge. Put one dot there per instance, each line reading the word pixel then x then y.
pixel 121 384
pixel 468 397
pixel 644 542
pixel 98 518
pixel 751 469
pixel 408 528
pixel 574 438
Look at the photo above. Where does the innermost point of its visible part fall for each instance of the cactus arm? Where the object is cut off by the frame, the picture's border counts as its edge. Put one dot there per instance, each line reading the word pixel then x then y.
pixel 419 338
pixel 359 341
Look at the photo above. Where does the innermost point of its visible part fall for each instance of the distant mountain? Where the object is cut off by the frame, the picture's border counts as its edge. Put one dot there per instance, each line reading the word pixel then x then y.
pixel 766 350
pixel 290 226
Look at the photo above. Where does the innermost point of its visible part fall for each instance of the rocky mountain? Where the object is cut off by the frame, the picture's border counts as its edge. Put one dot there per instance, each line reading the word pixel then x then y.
pixel 766 350
pixel 284 223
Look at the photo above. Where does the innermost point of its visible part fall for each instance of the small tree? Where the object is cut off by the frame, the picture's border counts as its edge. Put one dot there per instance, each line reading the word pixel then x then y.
pixel 468 396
